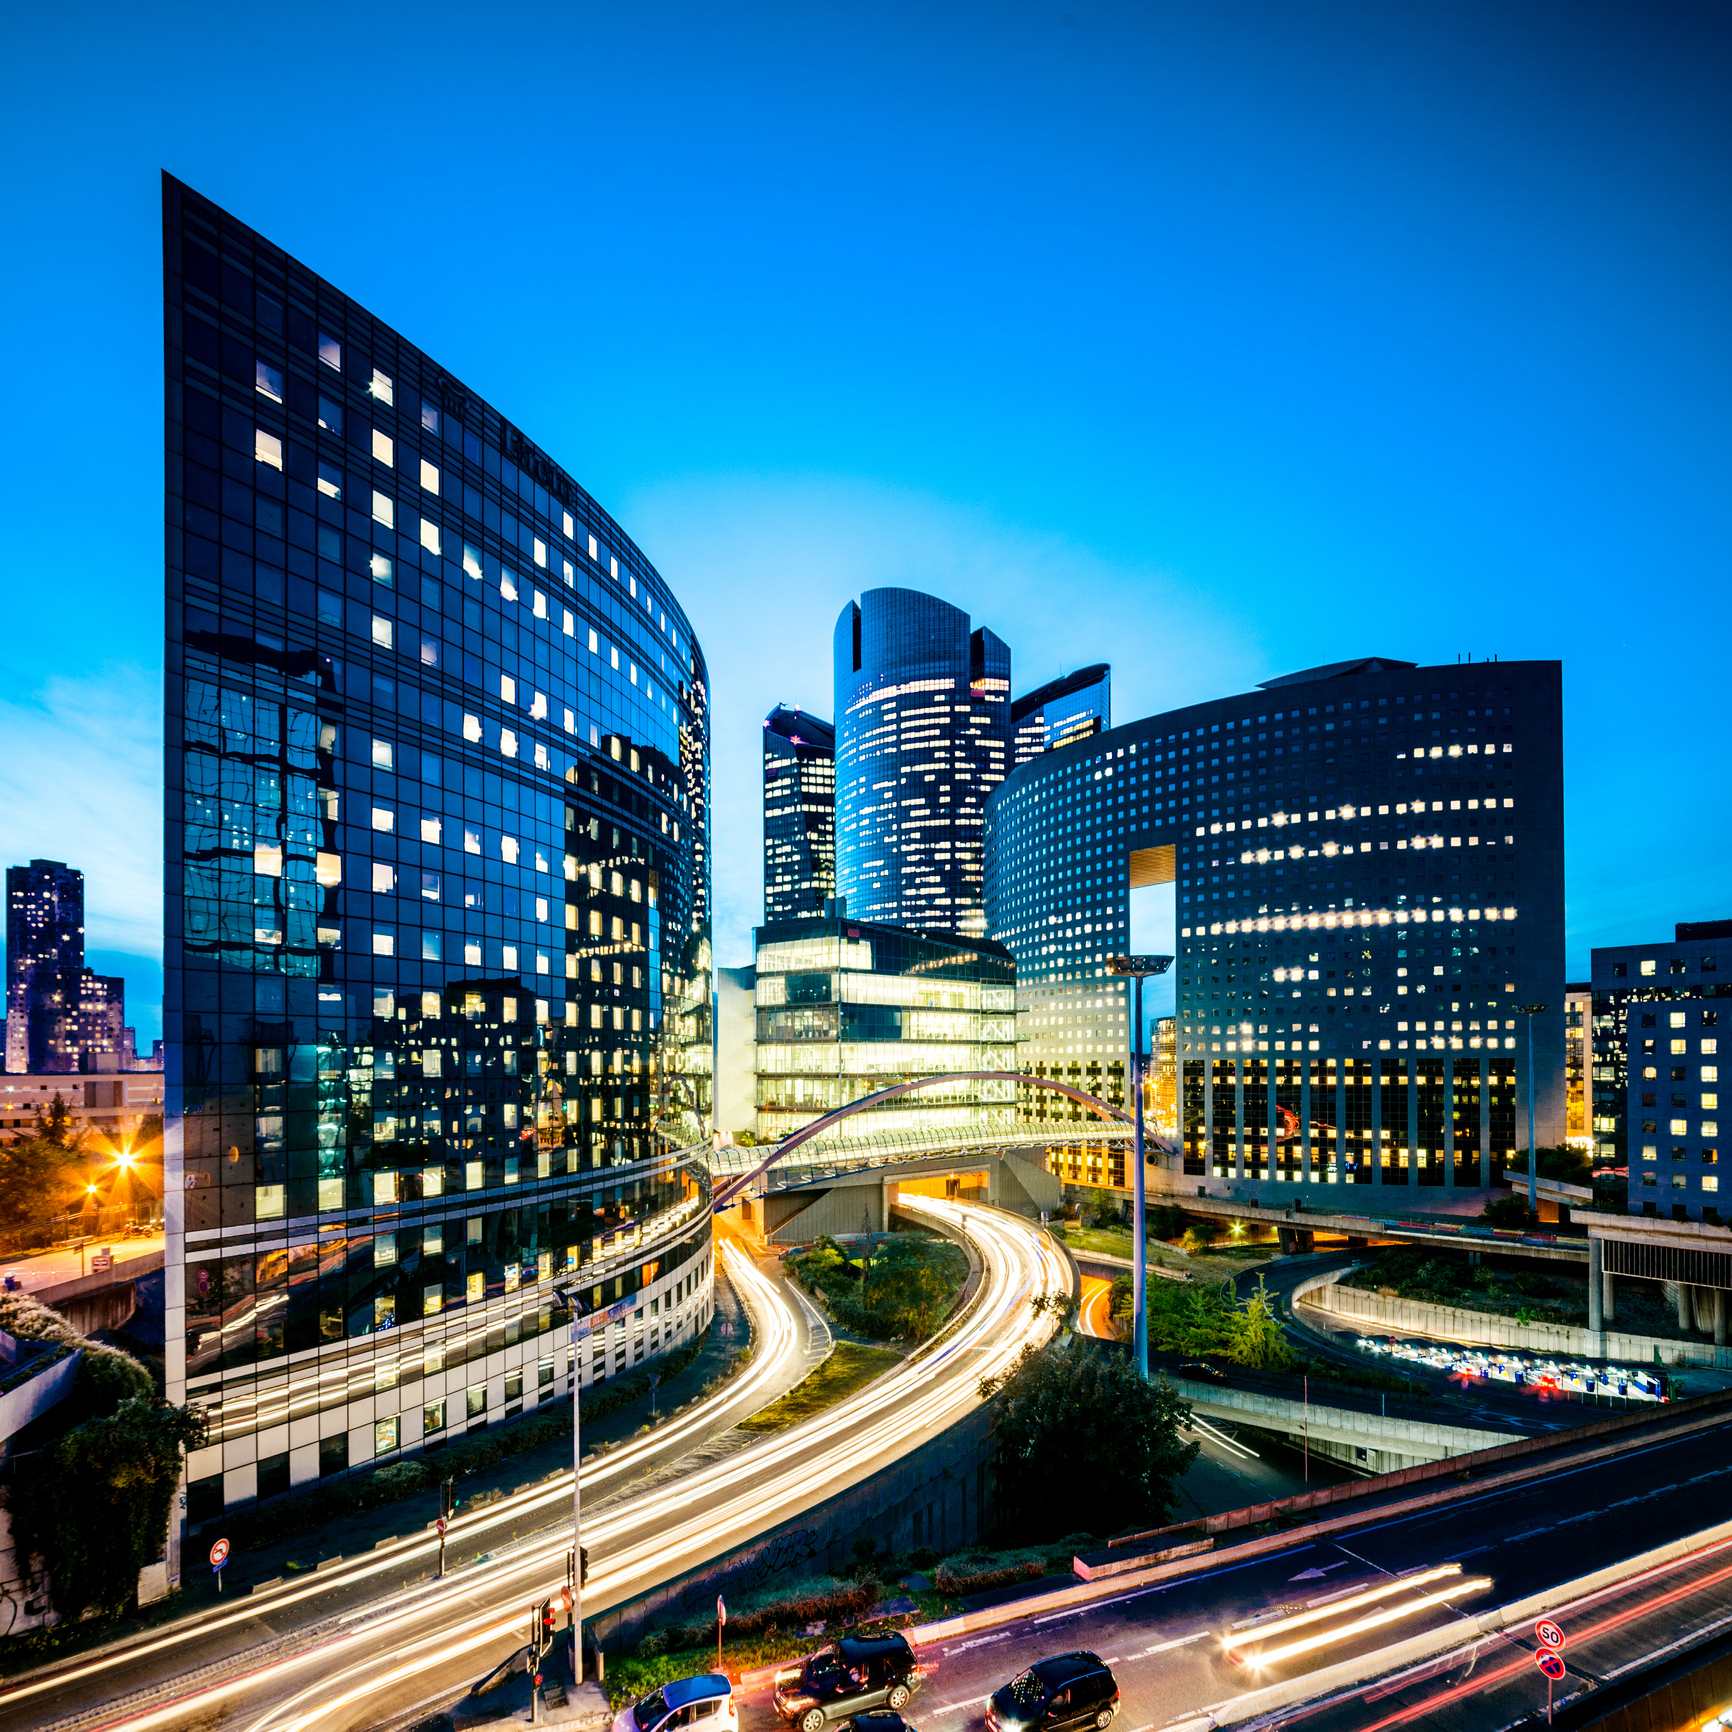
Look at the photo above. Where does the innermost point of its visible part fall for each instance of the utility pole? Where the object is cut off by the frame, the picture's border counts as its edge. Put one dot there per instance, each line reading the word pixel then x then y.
pixel 1137 967
pixel 578 1566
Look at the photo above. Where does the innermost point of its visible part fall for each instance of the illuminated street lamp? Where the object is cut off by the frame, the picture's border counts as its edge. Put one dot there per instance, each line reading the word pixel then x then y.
pixel 1530 1011
pixel 1138 968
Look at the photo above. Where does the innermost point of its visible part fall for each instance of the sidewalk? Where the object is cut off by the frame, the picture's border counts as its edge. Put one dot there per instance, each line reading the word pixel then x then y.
pixel 35 1271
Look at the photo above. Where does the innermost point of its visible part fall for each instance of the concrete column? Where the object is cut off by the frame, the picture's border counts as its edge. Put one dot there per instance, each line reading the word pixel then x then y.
pixel 1596 1277
pixel 1608 1306
pixel 1719 1316
pixel 1702 1303
pixel 1679 1294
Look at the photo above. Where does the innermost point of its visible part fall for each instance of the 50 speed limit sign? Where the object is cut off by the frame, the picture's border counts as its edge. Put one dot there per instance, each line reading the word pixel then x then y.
pixel 1548 1634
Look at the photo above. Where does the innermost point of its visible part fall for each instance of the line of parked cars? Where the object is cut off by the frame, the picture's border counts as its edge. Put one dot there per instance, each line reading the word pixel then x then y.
pixel 863 1683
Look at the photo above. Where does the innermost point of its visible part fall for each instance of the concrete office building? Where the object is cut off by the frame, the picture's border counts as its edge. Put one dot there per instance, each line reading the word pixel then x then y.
pixel 1063 712
pixel 1656 1068
pixel 922 740
pixel 799 815
pixel 1367 861
pixel 437 894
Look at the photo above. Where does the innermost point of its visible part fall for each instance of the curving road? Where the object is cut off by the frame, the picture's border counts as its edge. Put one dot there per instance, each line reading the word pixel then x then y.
pixel 397 1646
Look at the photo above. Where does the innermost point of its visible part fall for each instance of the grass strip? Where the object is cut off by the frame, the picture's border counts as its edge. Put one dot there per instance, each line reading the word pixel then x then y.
pixel 849 1367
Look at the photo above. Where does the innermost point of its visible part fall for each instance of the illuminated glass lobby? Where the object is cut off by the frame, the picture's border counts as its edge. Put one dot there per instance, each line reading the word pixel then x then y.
pixel 1366 862
pixel 437 898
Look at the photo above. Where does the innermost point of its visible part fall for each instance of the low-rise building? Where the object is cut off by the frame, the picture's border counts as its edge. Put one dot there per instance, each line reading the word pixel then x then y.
pixel 114 1105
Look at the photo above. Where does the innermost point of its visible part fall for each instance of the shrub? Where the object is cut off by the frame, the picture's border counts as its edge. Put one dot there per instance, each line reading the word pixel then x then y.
pixel 106 1376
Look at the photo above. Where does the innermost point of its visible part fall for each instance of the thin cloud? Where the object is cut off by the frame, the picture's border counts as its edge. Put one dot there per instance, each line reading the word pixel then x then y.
pixel 81 781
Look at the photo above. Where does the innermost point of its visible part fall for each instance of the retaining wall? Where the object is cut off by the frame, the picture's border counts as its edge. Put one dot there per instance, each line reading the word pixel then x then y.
pixel 1457 1323
pixel 938 1495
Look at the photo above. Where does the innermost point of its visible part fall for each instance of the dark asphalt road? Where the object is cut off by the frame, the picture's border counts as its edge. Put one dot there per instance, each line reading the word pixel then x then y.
pixel 1165 1643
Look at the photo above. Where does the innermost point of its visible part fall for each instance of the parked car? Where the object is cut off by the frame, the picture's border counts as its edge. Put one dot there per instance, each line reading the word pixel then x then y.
pixel 1069 1691
pixel 881 1720
pixel 703 1704
pixel 847 1678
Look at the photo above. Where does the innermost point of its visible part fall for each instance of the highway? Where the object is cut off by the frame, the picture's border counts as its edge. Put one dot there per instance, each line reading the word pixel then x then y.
pixel 1188 1650
pixel 393 1643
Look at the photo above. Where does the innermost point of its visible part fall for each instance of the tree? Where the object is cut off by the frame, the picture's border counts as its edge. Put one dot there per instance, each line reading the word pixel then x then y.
pixel 93 1505
pixel 1255 1333
pixel 54 1122
pixel 1105 1210
pixel 1511 1211
pixel 37 1180
pixel 1079 1431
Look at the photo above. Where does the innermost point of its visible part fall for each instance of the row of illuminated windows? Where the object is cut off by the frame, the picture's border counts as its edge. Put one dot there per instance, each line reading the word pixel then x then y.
pixel 376 388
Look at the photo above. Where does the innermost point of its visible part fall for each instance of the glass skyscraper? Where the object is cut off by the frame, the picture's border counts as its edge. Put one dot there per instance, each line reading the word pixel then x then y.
pixel 437 791
pixel 799 814
pixel 60 1017
pixel 1367 867
pixel 922 740
pixel 1062 712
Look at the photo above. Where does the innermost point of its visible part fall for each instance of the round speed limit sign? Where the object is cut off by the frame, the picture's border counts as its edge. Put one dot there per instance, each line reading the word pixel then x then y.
pixel 1548 1634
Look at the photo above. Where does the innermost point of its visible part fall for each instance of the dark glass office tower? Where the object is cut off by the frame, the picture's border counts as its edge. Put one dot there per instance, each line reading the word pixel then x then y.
pixel 1367 862
pixel 1063 712
pixel 922 740
pixel 799 815
pixel 1656 1065
pixel 437 805
pixel 44 959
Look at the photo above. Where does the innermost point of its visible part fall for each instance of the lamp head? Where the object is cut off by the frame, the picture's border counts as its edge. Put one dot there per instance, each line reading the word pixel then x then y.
pixel 1138 965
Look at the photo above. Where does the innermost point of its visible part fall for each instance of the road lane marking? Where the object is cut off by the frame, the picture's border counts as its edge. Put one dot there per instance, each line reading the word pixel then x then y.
pixel 1177 1642
pixel 952 1707
pixel 978 1642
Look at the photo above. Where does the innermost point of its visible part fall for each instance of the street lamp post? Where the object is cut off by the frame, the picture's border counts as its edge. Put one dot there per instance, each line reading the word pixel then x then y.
pixel 1138 967
pixel 568 1295
pixel 1530 1011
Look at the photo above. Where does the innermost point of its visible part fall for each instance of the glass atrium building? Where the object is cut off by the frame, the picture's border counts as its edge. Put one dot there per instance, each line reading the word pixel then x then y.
pixel 1367 865
pixel 847 1007
pixel 799 814
pixel 437 905
pixel 922 740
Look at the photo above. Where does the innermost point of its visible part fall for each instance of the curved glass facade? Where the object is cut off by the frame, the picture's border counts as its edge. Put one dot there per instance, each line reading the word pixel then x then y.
pixel 922 740
pixel 437 892
pixel 1367 866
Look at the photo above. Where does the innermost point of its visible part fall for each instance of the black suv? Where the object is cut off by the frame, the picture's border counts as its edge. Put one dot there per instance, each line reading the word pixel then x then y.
pixel 1069 1691
pixel 847 1678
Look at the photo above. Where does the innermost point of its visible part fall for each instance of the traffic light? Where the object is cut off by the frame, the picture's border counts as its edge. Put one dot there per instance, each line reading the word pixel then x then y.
pixel 583 1566
pixel 544 1626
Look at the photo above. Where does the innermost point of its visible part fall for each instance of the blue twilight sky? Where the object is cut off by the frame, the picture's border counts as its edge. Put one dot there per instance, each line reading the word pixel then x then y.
pixel 1217 340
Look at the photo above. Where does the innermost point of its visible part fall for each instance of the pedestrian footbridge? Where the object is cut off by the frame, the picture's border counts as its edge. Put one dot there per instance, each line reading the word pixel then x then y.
pixel 820 1181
